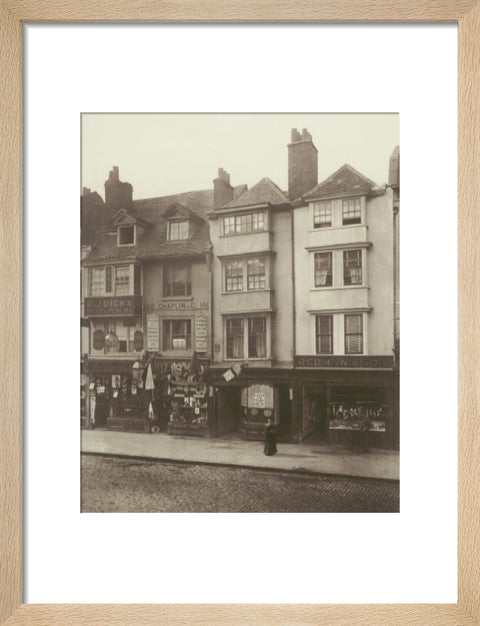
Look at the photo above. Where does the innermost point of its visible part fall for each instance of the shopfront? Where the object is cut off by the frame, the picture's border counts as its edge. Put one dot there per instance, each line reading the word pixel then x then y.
pixel 346 400
pixel 149 394
pixel 244 402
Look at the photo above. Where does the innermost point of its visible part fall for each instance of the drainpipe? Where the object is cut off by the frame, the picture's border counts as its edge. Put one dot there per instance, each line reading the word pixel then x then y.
pixel 293 404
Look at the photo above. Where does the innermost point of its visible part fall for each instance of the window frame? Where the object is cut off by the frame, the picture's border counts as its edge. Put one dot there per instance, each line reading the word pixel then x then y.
pixel 329 254
pixel 346 267
pixel 187 335
pixel 319 334
pixel 116 282
pixel 168 292
pixel 352 217
pixel 250 219
pixel 123 228
pixel 317 207
pixel 360 334
pixel 245 261
pixel 246 322
pixel 236 278
pixel 109 280
pixel 178 223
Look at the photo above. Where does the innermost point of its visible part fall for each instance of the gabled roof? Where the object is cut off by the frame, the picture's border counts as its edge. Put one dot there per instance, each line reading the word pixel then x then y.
pixel 264 192
pixel 123 218
pixel 176 211
pixel 346 181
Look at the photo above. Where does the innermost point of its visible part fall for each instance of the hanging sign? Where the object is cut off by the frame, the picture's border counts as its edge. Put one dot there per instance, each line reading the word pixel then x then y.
pixel 201 333
pixel 228 375
pixel 153 333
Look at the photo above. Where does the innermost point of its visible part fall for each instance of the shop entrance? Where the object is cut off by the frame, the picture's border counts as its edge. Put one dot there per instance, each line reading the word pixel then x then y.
pixel 315 419
pixel 285 413
pixel 227 410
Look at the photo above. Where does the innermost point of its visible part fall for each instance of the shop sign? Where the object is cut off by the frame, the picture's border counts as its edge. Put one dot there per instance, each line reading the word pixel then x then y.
pixel 153 333
pixel 260 397
pixel 201 324
pixel 228 375
pixel 361 361
pixel 179 344
pixel 181 305
pixel 259 400
pixel 112 306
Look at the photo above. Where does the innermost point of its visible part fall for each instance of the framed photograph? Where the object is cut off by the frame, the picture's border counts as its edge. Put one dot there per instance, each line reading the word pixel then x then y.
pixel 38 422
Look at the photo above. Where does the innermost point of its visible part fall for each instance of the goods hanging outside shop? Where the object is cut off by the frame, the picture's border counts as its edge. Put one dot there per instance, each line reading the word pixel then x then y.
pixel 187 399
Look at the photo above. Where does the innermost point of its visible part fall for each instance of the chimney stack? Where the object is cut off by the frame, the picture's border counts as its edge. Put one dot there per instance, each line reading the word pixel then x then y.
pixel 302 164
pixel 222 190
pixel 118 195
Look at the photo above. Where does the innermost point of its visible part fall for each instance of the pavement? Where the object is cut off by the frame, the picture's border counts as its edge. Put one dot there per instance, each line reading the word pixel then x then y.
pixel 299 457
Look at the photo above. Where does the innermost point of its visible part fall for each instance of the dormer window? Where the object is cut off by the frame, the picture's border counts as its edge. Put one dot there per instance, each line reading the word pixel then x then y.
pixel 126 235
pixel 177 230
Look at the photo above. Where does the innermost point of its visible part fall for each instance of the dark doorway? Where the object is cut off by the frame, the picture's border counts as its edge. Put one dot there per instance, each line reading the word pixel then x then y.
pixel 227 410
pixel 285 413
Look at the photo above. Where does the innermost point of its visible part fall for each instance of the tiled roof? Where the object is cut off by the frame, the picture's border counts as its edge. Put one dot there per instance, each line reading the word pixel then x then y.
pixel 346 181
pixel 152 242
pixel 264 192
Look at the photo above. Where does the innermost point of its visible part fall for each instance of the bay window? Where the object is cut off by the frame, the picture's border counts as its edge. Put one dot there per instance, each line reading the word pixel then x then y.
pixel 246 337
pixel 244 274
pixel 111 280
pixel 244 223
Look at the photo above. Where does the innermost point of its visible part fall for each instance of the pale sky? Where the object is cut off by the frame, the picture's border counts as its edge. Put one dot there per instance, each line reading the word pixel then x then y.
pixel 166 153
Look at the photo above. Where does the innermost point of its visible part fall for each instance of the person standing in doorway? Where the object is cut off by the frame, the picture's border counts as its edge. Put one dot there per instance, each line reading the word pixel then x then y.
pixel 270 447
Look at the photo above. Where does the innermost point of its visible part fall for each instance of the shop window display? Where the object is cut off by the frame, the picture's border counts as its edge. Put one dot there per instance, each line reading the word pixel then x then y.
pixel 187 398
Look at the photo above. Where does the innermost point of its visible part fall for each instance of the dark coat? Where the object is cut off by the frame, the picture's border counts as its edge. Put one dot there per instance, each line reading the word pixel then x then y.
pixel 270 447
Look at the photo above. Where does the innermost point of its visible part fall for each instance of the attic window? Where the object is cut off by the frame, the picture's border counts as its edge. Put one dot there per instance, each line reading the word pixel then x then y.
pixel 178 230
pixel 126 235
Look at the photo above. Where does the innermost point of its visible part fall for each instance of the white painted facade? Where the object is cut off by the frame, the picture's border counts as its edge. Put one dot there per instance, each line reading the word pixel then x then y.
pixel 372 298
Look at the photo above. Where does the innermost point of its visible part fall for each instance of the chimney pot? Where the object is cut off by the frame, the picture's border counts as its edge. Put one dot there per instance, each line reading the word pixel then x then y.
pixel 222 190
pixel 295 136
pixel 302 164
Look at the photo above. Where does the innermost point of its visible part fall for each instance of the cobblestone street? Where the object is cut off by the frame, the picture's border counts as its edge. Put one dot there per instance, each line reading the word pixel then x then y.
pixel 131 485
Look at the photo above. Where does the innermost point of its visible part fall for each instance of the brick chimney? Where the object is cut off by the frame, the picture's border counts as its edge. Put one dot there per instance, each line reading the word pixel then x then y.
pixel 302 164
pixel 222 190
pixel 118 195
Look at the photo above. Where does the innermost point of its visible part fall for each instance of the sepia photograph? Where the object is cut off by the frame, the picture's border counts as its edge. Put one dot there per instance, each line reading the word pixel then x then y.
pixel 240 312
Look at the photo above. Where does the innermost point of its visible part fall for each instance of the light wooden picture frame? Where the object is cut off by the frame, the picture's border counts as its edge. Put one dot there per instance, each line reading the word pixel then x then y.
pixel 13 15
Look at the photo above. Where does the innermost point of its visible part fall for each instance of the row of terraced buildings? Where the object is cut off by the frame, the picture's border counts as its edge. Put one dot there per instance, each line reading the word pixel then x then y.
pixel 205 313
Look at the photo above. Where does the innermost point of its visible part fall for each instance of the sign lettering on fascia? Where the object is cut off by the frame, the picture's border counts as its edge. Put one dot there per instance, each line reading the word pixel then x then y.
pixel 178 306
